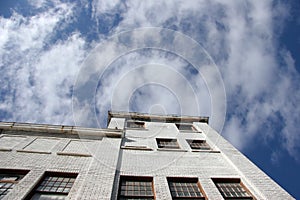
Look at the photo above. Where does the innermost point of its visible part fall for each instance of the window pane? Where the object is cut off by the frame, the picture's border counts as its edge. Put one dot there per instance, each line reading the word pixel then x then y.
pixel 48 197
pixel 167 143
pixel 8 180
pixel 232 188
pixel 136 187
pixel 184 188
pixel 56 186
pixel 198 144
pixel 185 127
pixel 135 124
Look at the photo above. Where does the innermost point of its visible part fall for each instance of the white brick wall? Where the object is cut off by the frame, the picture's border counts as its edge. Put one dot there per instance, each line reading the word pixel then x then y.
pixel 98 173
pixel 95 175
pixel 204 165
pixel 8 142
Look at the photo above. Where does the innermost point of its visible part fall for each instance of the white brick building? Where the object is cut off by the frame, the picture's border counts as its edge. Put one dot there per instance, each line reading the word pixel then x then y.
pixel 138 156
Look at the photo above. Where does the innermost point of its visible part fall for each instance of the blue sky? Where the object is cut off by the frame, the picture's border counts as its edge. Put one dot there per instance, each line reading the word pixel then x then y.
pixel 238 62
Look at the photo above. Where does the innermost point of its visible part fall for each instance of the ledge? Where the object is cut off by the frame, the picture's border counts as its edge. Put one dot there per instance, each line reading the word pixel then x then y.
pixel 143 148
pixel 29 151
pixel 5 149
pixel 156 118
pixel 188 131
pixel 61 129
pixel 73 154
pixel 215 151
pixel 138 129
pixel 177 150
pixel 206 151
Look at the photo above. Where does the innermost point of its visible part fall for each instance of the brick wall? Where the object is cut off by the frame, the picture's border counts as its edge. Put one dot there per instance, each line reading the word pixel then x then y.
pixel 99 162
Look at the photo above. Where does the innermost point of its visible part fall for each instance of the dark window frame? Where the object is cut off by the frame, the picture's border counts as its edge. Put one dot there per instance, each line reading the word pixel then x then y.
pixel 50 176
pixel 8 185
pixel 186 127
pixel 137 180
pixel 195 144
pixel 133 124
pixel 161 143
pixel 236 182
pixel 186 180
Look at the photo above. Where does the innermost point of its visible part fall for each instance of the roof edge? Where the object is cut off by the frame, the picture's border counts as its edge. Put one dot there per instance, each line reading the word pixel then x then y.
pixel 60 129
pixel 156 118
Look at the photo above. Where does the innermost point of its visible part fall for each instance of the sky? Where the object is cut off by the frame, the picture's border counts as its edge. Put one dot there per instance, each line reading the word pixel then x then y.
pixel 238 62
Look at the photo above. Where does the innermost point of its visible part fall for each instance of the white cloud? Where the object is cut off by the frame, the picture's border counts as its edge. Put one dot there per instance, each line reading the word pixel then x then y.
pixel 37 80
pixel 31 32
pixel 55 74
pixel 259 85
pixel 241 36
pixel 275 157
pixel 102 7
pixel 120 75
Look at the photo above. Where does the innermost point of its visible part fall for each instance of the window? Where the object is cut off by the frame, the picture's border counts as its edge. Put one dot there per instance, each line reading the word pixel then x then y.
pixel 54 186
pixel 232 188
pixel 185 127
pixel 135 124
pixel 136 188
pixel 185 188
pixel 167 143
pixel 8 179
pixel 198 144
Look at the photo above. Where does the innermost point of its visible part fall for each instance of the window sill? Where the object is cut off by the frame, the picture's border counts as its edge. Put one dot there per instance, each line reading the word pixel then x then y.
pixel 140 129
pixel 207 151
pixel 5 149
pixel 29 151
pixel 189 131
pixel 178 150
pixel 214 151
pixel 143 148
pixel 73 154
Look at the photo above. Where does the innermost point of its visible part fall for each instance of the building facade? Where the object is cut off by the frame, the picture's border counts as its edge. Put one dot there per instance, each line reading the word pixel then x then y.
pixel 138 156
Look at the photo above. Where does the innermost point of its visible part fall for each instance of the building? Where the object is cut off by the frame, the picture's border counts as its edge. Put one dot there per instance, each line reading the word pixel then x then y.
pixel 138 156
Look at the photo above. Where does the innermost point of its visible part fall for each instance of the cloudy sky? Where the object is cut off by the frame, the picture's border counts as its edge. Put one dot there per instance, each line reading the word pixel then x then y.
pixel 238 62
